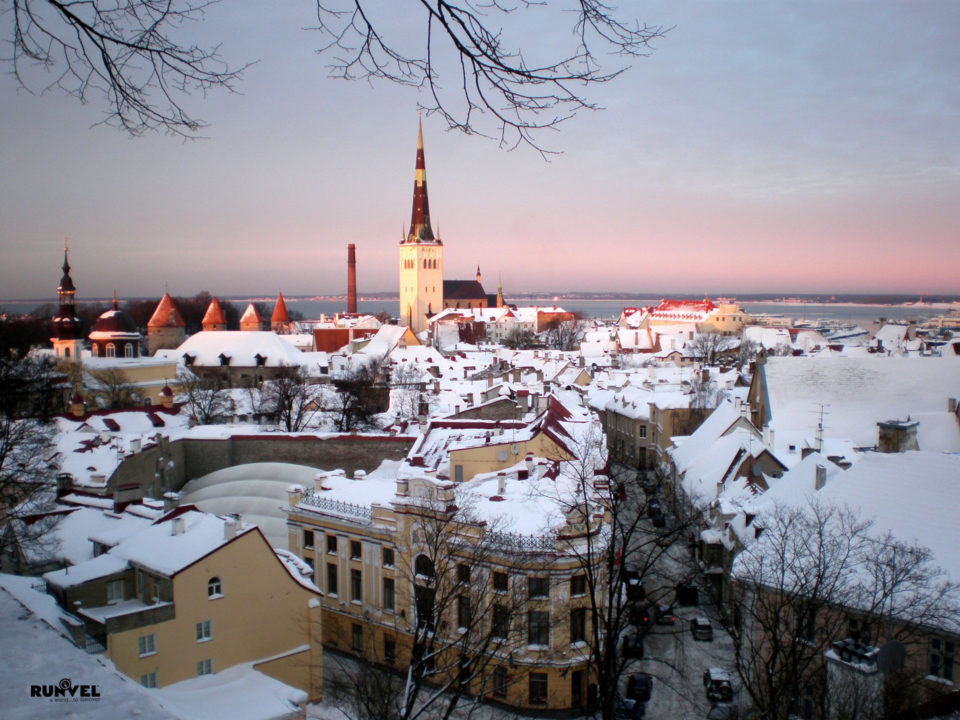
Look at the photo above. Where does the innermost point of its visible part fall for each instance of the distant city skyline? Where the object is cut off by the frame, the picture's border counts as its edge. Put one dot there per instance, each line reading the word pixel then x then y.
pixel 797 148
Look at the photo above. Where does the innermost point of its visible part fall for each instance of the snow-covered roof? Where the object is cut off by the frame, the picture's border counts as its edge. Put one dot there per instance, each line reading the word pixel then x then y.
pixel 858 392
pixel 242 347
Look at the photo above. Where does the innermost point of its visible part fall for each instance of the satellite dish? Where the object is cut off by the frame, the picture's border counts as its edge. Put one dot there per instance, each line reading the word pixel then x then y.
pixel 891 656
pixel 502 455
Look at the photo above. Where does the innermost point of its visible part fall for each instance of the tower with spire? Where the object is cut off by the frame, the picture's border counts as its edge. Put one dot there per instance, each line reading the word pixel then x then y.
pixel 67 330
pixel 421 256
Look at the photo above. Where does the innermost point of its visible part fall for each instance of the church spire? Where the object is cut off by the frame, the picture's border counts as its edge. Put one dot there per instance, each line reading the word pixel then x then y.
pixel 420 229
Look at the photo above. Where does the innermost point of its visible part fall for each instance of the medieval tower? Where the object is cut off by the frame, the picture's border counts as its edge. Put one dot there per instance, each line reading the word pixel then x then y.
pixel 421 257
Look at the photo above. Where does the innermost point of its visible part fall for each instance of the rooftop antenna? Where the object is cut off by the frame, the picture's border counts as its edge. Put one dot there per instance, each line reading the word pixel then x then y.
pixel 820 414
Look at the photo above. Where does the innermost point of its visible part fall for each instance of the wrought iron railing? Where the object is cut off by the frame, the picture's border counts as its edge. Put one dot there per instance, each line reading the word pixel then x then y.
pixel 339 507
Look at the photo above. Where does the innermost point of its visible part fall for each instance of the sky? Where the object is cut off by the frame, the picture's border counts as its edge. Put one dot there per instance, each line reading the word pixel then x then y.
pixel 762 147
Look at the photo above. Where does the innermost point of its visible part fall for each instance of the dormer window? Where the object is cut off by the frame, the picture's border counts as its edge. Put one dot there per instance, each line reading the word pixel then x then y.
pixel 214 588
pixel 224 360
pixel 261 359
pixel 189 359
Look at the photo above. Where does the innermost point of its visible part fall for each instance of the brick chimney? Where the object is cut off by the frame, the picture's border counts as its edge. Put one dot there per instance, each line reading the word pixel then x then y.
pixel 351 278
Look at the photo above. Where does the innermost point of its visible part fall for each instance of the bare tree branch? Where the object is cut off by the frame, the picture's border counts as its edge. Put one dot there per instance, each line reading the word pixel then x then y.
pixel 129 51
pixel 497 92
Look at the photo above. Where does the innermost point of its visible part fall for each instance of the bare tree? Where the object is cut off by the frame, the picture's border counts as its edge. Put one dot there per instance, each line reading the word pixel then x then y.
pixel 457 622
pixel 624 566
pixel 818 574
pixel 207 397
pixel 362 392
pixel 27 471
pixel 709 348
pixel 498 88
pixel 563 334
pixel 407 390
pixel 291 397
pixel 132 52
pixel 113 386
pixel 518 339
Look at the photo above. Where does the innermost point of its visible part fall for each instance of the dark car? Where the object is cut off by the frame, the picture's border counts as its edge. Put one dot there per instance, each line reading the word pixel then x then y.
pixel 658 519
pixel 627 709
pixel 639 686
pixel 642 615
pixel 654 508
pixel 721 711
pixel 631 581
pixel 717 684
pixel 665 615
pixel 687 594
pixel 701 628
pixel 632 646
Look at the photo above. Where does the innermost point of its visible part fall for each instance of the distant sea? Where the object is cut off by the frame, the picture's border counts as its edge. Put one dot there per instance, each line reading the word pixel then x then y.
pixel 865 315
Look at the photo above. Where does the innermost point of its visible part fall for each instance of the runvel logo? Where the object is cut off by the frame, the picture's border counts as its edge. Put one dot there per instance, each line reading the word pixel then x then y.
pixel 65 691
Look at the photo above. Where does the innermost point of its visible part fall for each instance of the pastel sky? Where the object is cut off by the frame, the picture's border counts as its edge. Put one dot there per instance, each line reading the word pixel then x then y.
pixel 764 146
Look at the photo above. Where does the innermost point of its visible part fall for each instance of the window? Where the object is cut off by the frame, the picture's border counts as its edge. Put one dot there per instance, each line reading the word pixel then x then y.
pixel 463 573
pixel 357 637
pixel 389 597
pixel 146 645
pixel 114 591
pixel 214 588
pixel 389 649
pixel 308 538
pixel 538 627
pixel 424 598
pixel 355 550
pixel 538 688
pixel 643 431
pixel 464 612
pixel 537 587
pixel 500 681
pixel 388 557
pixel 458 473
pixel 356 586
pixel 501 621
pixel 501 582
pixel 309 561
pixel 331 579
pixel 941 658
pixel 111 350
pixel 149 680
pixel 204 630
pixel 332 544
pixel 578 625
pixel 128 350
pixel 806 623
pixel 423 567
pixel 205 667
pixel 578 585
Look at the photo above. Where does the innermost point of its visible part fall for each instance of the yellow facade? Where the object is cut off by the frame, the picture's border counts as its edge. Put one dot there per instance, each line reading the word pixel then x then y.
pixel 500 455
pixel 261 612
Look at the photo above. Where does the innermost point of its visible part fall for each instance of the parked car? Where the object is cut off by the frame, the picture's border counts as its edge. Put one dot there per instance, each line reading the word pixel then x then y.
pixel 654 508
pixel 701 628
pixel 665 615
pixel 631 581
pixel 658 519
pixel 639 686
pixel 632 646
pixel 717 684
pixel 721 711
pixel 642 615
pixel 687 594
pixel 627 709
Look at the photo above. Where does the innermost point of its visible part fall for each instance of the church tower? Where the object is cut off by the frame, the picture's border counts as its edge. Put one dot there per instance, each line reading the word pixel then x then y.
pixel 421 257
pixel 67 336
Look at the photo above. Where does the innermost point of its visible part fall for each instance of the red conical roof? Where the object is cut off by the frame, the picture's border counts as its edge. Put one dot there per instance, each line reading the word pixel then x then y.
pixel 250 315
pixel 279 311
pixel 214 314
pixel 166 315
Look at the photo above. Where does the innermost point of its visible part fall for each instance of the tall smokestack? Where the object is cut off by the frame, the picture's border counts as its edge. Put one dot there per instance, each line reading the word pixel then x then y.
pixel 351 278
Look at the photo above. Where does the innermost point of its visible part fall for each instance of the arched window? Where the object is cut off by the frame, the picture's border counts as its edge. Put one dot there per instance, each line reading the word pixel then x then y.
pixel 128 350
pixel 94 349
pixel 111 350
pixel 423 567
pixel 66 352
pixel 214 588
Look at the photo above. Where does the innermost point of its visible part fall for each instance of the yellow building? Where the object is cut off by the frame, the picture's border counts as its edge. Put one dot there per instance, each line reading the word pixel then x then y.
pixel 477 569
pixel 193 594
